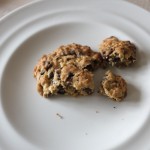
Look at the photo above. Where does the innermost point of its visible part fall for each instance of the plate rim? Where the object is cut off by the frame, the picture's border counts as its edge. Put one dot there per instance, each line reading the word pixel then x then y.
pixel 32 3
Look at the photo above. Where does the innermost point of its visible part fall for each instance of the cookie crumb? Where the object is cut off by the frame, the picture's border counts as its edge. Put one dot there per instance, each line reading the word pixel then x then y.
pixel 114 107
pixel 113 86
pixel 60 116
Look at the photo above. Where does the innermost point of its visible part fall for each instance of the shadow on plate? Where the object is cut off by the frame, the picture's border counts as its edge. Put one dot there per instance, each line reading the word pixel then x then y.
pixel 133 95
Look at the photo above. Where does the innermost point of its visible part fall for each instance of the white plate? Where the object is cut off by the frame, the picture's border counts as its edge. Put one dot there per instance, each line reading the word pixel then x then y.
pixel 29 122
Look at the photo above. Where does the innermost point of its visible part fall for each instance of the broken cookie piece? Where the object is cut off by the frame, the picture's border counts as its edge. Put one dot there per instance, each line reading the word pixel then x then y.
pixel 113 86
pixel 118 53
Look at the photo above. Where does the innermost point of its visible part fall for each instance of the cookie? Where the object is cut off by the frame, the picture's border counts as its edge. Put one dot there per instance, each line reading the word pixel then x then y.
pixel 113 86
pixel 67 71
pixel 118 53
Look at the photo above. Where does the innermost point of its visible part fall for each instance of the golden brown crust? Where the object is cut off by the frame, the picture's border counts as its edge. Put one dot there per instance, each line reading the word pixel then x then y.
pixel 118 53
pixel 67 71
pixel 113 86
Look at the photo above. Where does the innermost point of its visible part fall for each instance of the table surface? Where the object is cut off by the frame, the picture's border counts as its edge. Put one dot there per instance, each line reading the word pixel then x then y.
pixel 8 5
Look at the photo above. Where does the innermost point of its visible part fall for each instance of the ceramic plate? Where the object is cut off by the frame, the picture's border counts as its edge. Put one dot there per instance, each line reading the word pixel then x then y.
pixel 29 121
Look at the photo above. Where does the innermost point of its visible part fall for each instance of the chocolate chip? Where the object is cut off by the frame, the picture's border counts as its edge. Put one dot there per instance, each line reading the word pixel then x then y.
pixel 42 72
pixel 61 90
pixel 111 51
pixel 70 76
pixel 50 75
pixel 88 91
pixel 48 65
pixel 95 64
pixel 89 67
pixel 72 52
pixel 116 59
pixel 58 73
pixel 131 58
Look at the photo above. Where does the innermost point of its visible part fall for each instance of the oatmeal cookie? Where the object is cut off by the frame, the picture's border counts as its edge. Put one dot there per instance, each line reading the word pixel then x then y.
pixel 113 86
pixel 118 53
pixel 68 70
